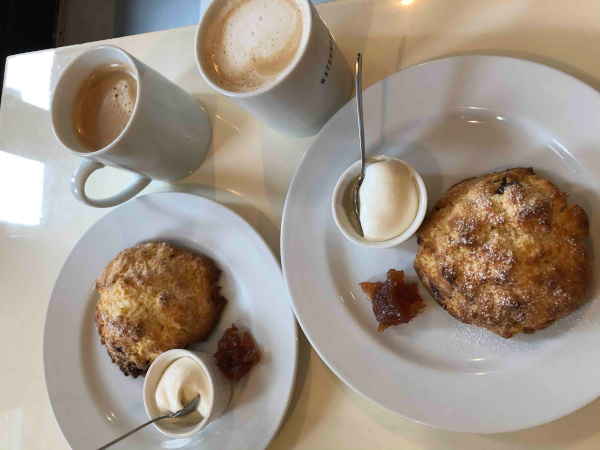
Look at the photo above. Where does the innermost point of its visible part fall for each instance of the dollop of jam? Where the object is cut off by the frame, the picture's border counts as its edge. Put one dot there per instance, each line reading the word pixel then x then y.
pixel 394 302
pixel 236 355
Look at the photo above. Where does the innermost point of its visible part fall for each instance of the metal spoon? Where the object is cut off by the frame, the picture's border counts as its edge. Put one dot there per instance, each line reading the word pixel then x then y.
pixel 361 133
pixel 186 410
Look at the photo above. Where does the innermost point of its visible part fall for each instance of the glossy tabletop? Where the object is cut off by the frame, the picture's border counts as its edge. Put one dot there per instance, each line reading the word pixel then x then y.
pixel 249 169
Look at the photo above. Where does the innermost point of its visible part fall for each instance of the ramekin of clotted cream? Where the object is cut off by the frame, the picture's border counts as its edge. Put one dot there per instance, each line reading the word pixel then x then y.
pixel 174 379
pixel 392 198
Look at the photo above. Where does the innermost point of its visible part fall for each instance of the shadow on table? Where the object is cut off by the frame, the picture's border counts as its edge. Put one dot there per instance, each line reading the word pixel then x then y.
pixel 568 432
pixel 295 428
pixel 562 433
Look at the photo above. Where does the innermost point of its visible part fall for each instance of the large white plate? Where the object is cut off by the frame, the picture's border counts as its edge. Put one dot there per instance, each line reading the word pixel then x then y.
pixel 94 402
pixel 450 119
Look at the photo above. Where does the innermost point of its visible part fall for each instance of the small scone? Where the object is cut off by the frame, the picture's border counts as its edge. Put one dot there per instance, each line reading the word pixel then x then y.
pixel 505 251
pixel 155 297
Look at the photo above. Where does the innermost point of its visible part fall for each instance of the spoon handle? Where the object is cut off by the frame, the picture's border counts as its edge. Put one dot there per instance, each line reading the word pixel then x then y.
pixel 111 443
pixel 359 111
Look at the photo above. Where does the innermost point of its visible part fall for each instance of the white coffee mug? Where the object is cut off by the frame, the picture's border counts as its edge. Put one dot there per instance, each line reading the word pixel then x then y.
pixel 166 138
pixel 307 93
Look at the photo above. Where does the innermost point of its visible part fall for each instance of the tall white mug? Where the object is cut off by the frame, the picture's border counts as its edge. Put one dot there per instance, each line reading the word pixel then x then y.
pixel 307 93
pixel 167 136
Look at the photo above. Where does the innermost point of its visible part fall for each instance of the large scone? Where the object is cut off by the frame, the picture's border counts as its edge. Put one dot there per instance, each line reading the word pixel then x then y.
pixel 155 297
pixel 505 251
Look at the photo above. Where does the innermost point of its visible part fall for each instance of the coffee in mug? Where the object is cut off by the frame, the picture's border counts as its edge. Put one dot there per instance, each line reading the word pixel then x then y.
pixel 250 42
pixel 103 105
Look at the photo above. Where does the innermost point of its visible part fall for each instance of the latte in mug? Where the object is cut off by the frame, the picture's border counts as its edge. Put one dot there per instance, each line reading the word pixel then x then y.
pixel 103 105
pixel 249 43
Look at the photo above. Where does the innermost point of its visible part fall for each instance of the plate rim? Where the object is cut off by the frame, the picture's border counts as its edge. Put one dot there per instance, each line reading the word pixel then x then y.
pixel 284 225
pixel 200 198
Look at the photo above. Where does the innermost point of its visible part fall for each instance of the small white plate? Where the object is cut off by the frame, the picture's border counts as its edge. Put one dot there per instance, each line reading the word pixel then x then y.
pixel 94 402
pixel 450 119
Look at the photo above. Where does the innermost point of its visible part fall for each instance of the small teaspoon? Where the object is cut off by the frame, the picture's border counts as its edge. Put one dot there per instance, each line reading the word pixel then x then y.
pixel 361 133
pixel 186 410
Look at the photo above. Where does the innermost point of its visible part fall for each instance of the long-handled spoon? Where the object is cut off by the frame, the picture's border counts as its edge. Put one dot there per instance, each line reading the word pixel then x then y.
pixel 361 133
pixel 186 410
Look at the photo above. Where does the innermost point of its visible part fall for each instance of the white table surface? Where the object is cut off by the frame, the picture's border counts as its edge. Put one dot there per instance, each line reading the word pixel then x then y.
pixel 249 169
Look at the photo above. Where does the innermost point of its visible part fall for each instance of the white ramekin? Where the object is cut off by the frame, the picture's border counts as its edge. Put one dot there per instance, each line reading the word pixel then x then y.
pixel 220 388
pixel 341 205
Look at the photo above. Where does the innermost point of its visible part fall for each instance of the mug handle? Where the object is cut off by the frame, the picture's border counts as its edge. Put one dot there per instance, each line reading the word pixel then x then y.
pixel 82 173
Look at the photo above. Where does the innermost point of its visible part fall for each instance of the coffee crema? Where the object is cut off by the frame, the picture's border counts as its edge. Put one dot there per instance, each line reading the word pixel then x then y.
pixel 103 105
pixel 248 43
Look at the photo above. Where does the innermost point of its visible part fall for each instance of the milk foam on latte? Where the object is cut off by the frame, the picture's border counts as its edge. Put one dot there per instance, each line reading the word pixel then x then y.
pixel 248 43
pixel 103 106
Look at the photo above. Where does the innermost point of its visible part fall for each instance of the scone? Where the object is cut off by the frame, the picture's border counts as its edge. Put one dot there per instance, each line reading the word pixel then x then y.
pixel 155 297
pixel 505 251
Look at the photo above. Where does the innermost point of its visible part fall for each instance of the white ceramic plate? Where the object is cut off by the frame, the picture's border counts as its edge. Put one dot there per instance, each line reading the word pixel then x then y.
pixel 450 119
pixel 94 402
